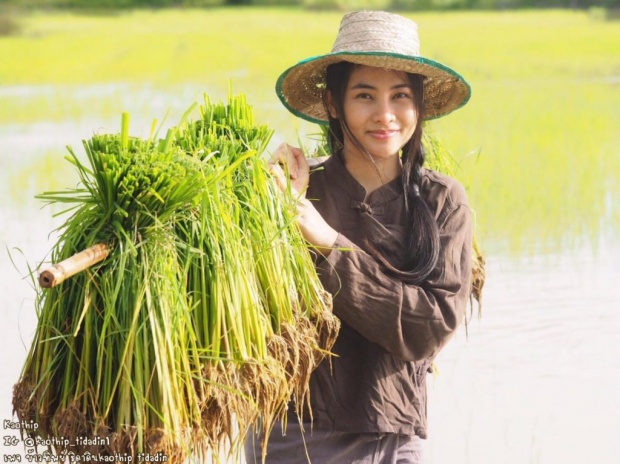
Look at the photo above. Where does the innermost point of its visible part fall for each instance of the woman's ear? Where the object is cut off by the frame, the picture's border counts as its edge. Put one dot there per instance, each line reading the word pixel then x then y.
pixel 331 108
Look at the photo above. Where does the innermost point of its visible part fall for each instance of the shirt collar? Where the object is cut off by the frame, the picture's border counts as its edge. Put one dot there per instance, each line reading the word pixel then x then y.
pixel 341 179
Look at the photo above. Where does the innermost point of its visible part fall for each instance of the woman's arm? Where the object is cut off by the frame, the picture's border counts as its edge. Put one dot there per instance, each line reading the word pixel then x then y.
pixel 411 322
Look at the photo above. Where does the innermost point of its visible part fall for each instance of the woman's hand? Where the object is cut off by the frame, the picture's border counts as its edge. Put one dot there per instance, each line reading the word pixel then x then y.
pixel 312 225
pixel 292 160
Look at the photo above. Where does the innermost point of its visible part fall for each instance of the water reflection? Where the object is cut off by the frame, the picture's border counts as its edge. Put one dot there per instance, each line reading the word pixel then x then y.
pixel 536 381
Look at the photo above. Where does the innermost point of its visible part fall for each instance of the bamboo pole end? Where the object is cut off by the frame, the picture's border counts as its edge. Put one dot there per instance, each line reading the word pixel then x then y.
pixel 56 274
pixel 47 279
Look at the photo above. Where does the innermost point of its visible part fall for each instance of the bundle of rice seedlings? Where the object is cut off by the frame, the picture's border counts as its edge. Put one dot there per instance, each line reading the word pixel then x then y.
pixel 206 315
pixel 105 362
pixel 260 311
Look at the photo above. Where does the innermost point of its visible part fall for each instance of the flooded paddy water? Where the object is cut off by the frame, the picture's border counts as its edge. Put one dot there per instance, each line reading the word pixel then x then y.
pixel 535 379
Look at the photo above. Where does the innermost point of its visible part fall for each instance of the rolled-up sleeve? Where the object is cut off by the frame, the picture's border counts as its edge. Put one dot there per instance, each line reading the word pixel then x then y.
pixel 412 322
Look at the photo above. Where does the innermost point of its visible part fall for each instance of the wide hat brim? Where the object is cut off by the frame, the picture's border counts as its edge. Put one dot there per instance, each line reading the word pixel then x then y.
pixel 301 87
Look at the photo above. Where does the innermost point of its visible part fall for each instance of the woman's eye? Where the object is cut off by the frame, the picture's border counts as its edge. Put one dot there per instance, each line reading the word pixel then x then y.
pixel 403 95
pixel 363 96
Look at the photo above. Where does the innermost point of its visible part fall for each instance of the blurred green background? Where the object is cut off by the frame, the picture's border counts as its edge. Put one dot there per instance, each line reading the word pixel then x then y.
pixel 537 146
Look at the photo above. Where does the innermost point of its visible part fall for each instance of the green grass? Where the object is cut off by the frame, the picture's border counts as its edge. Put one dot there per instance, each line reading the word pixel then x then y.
pixel 538 143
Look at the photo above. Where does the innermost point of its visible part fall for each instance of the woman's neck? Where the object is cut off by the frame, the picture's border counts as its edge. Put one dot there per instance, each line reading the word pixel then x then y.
pixel 371 173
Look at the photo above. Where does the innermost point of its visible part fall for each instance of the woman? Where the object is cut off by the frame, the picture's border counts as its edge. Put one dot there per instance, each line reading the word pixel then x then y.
pixel 394 241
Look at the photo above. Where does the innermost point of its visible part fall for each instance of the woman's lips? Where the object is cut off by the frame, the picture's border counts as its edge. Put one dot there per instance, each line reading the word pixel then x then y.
pixel 383 134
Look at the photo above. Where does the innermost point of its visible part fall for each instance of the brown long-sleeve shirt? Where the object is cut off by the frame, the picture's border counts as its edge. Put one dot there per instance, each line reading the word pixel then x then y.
pixel 390 331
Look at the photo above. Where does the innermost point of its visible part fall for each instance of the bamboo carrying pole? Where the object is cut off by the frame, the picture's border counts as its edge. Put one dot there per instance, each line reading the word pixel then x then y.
pixel 56 274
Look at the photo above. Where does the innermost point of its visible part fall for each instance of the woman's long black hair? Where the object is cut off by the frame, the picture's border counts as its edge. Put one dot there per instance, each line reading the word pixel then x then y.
pixel 422 233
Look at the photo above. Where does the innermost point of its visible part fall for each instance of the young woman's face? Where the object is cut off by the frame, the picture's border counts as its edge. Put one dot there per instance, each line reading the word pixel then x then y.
pixel 380 111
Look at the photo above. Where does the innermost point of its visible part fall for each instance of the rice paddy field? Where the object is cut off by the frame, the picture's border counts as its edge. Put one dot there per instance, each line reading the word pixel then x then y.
pixel 534 380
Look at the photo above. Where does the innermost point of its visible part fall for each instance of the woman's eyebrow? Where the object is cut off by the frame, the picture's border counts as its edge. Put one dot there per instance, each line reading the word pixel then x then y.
pixel 363 85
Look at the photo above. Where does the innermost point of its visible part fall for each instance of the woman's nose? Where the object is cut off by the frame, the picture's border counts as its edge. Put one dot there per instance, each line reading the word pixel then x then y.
pixel 384 112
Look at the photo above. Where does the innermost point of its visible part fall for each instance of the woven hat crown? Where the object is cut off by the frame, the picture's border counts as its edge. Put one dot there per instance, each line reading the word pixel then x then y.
pixel 377 31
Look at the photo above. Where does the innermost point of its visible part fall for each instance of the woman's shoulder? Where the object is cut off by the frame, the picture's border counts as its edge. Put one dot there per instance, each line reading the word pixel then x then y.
pixel 316 161
pixel 319 168
pixel 444 193
pixel 319 179
pixel 443 184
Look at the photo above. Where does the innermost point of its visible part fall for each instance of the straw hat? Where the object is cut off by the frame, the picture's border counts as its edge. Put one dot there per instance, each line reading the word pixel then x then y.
pixel 372 38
